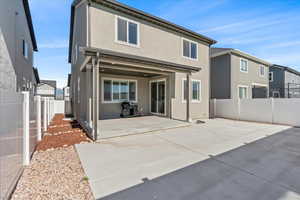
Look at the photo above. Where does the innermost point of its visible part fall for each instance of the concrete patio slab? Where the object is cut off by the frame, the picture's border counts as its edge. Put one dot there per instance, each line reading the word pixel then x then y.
pixel 221 159
pixel 131 126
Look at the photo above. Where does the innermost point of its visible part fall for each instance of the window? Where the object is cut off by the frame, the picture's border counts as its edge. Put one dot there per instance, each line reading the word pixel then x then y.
pixel 196 90
pixel 76 54
pixel 271 76
pixel 244 65
pixel 190 49
pixel 262 71
pixel 196 86
pixel 243 92
pixel 116 91
pixel 127 31
pixel 25 49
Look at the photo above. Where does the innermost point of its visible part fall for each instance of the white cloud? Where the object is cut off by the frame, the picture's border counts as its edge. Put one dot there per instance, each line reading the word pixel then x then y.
pixel 289 59
pixel 284 44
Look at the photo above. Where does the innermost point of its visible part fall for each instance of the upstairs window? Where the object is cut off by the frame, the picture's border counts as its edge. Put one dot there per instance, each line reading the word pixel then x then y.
pixel 262 71
pixel 25 49
pixel 190 49
pixel 127 31
pixel 244 65
pixel 271 76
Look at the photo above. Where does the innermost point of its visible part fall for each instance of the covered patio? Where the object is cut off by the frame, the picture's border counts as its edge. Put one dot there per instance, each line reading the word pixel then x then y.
pixel 138 125
pixel 112 78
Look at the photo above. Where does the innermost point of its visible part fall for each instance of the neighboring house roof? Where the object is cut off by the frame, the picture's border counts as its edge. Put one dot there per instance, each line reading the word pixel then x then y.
pixel 69 80
pixel 36 75
pixel 139 14
pixel 214 52
pixel 285 68
pixel 139 59
pixel 49 82
pixel 30 25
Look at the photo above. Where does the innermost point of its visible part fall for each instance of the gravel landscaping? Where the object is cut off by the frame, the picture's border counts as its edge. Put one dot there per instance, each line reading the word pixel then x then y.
pixel 55 171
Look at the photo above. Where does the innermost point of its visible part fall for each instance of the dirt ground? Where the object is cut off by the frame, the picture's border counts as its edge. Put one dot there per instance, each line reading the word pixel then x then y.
pixel 55 171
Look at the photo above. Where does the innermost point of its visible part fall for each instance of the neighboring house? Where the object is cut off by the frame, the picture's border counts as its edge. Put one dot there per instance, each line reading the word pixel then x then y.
pixel 17 44
pixel 67 89
pixel 134 56
pixel 47 88
pixel 284 82
pixel 235 74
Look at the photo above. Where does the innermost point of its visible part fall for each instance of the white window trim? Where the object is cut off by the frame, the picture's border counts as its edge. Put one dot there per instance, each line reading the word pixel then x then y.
pixel 116 32
pixel 182 49
pixel 242 59
pixel 262 75
pixel 121 80
pixel 272 75
pixel 78 90
pixel 150 104
pixel 200 91
pixel 191 91
pixel 243 86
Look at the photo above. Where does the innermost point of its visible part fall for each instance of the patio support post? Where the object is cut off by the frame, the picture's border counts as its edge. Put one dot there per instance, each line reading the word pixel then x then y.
pixel 88 95
pixel 188 98
pixel 96 67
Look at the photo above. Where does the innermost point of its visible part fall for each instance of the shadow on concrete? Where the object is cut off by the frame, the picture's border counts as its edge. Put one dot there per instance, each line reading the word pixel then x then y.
pixel 267 169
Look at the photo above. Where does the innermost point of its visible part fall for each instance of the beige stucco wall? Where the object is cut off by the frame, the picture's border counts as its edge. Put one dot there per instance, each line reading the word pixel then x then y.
pixel 246 79
pixel 14 29
pixel 157 43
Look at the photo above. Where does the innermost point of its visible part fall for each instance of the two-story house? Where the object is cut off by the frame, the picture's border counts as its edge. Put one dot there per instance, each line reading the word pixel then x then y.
pixel 119 53
pixel 284 82
pixel 235 74
pixel 47 88
pixel 17 46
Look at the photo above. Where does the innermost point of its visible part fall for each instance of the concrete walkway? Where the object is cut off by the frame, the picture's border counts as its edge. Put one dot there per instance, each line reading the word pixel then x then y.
pixel 220 159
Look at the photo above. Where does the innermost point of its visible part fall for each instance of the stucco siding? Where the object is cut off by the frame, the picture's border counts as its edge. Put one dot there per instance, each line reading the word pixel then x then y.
pixel 248 79
pixel 221 77
pixel 14 28
pixel 155 42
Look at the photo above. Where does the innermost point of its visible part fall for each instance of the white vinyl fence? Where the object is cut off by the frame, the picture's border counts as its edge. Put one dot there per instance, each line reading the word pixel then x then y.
pixel 23 117
pixel 276 111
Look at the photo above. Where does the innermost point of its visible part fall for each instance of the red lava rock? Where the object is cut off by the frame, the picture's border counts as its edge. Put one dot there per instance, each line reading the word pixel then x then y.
pixel 62 133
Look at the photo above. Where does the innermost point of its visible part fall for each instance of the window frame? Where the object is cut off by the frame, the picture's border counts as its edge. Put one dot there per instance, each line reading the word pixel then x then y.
pixel 200 91
pixel 190 49
pixel 262 75
pixel 117 28
pixel 247 91
pixel 241 60
pixel 120 80
pixel 191 89
pixel 271 77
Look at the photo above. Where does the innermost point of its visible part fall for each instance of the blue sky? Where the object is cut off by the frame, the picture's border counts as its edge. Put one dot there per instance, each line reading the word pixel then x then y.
pixel 269 29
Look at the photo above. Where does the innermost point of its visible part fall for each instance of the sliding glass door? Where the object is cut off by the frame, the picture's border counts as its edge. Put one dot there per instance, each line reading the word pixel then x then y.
pixel 158 96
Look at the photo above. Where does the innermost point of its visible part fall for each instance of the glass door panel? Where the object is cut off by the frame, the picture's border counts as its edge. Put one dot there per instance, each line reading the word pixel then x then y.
pixel 154 97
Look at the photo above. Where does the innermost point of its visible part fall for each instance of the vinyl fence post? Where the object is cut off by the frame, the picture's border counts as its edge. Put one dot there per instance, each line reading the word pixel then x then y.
pixel 239 109
pixel 215 108
pixel 48 111
pixel 26 156
pixel 39 116
pixel 272 102
pixel 45 114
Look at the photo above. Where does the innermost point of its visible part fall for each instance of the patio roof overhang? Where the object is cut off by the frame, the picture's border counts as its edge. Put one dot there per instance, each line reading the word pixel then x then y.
pixel 136 64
